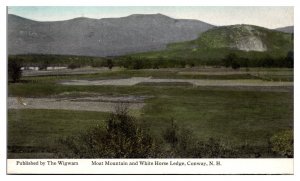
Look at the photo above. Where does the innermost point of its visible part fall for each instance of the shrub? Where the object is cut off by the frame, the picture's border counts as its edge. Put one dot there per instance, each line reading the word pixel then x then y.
pixel 283 143
pixel 121 138
pixel 171 134
pixel 183 144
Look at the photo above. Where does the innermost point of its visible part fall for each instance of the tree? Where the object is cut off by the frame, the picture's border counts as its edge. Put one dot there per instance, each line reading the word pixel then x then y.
pixel 235 64
pixel 290 59
pixel 137 64
pixel 44 65
pixel 73 65
pixel 126 62
pixel 192 64
pixel 182 63
pixel 155 65
pixel 230 60
pixel 109 63
pixel 14 70
pixel 268 61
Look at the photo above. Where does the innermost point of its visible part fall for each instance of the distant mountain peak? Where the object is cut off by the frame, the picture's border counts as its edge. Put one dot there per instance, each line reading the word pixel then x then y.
pixel 286 29
pixel 149 15
pixel 155 17
pixel 82 19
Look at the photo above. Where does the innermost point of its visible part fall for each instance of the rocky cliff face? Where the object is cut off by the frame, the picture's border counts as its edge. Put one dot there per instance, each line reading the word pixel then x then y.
pixel 250 41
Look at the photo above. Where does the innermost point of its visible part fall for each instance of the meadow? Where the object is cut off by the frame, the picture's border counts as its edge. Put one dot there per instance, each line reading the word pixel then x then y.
pixel 234 115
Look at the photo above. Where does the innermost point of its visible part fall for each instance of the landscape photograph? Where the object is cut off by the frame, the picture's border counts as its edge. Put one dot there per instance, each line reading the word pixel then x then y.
pixel 150 82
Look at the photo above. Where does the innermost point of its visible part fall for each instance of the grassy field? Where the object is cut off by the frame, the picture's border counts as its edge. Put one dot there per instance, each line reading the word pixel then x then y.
pixel 37 131
pixel 233 115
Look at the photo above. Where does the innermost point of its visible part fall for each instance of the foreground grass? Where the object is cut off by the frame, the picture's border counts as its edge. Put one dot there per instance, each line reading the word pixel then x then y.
pixel 233 117
pixel 40 129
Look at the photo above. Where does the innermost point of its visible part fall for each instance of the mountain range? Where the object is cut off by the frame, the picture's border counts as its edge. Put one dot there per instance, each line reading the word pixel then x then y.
pixel 132 34
pixel 100 37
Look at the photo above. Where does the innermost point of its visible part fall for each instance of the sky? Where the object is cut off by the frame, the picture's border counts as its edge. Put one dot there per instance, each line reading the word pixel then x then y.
pixel 269 17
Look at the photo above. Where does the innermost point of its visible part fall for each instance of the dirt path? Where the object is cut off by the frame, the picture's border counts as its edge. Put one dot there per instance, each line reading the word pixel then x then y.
pixel 84 70
pixel 196 82
pixel 101 104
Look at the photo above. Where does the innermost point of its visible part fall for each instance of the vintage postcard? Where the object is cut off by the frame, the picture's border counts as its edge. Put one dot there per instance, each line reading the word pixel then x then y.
pixel 150 90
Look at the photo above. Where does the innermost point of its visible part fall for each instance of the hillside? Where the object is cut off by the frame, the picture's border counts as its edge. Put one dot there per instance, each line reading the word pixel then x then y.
pixel 246 40
pixel 99 37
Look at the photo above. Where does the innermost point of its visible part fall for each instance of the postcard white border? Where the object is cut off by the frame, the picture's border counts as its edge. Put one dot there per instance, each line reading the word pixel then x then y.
pixel 4 3
pixel 150 166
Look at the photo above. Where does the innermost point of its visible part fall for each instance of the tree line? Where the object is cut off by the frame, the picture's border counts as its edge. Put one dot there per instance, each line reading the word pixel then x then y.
pixel 233 60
